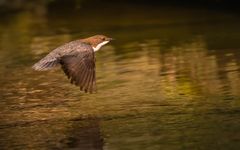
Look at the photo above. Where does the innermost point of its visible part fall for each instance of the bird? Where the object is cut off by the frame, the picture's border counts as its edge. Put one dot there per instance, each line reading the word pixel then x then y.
pixel 77 60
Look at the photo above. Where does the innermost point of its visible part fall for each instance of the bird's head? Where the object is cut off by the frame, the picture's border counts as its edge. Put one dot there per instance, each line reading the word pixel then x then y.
pixel 97 41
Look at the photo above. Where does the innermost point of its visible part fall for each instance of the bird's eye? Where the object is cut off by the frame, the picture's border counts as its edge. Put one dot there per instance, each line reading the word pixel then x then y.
pixel 103 39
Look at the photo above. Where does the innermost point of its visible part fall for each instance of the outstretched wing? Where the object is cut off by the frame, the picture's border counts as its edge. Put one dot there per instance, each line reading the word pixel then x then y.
pixel 80 69
pixel 53 58
pixel 48 62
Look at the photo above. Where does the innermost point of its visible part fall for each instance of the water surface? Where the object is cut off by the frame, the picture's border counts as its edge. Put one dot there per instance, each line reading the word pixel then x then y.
pixel 169 81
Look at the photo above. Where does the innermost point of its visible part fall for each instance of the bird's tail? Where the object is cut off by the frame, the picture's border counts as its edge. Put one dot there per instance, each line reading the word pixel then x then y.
pixel 46 63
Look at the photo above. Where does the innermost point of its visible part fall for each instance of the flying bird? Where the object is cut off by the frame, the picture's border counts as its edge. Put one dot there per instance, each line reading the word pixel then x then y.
pixel 77 60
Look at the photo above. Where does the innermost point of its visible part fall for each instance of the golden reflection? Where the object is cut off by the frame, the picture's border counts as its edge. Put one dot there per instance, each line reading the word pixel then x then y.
pixel 165 81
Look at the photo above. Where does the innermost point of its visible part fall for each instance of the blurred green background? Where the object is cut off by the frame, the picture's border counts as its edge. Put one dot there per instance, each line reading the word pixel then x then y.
pixel 170 80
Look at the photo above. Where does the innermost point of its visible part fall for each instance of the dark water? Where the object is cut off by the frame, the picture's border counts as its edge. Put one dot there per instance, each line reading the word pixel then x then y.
pixel 171 80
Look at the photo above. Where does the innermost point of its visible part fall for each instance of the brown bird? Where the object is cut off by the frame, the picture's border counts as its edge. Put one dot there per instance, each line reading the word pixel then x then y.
pixel 77 60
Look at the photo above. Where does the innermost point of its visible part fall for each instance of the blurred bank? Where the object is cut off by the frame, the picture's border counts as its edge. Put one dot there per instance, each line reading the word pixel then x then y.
pixel 17 5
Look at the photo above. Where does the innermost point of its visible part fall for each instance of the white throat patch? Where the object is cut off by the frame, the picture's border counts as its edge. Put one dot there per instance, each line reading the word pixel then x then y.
pixel 99 46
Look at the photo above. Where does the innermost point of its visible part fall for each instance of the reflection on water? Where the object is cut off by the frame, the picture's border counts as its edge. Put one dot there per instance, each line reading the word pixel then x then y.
pixel 174 85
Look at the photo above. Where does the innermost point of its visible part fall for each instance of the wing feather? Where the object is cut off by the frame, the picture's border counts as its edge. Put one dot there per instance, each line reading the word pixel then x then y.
pixel 80 69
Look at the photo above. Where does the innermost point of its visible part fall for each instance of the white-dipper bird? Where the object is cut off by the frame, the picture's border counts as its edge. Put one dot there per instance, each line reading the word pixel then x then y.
pixel 77 60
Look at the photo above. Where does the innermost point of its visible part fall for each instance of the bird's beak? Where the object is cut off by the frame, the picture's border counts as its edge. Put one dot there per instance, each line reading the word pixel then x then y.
pixel 110 39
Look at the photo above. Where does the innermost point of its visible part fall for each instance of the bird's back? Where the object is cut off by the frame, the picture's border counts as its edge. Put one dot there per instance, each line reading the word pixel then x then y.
pixel 69 49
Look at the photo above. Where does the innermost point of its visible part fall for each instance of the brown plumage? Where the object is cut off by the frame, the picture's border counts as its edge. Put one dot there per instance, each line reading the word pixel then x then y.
pixel 77 60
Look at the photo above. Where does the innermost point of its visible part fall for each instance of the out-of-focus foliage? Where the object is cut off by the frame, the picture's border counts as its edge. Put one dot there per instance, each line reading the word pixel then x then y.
pixel 14 5
pixel 170 80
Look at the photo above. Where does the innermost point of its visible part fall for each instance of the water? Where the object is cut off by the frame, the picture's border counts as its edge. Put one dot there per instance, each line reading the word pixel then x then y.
pixel 169 81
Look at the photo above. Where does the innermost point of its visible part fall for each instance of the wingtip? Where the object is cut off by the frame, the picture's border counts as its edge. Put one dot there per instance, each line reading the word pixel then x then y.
pixel 88 91
pixel 37 68
pixel 34 67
